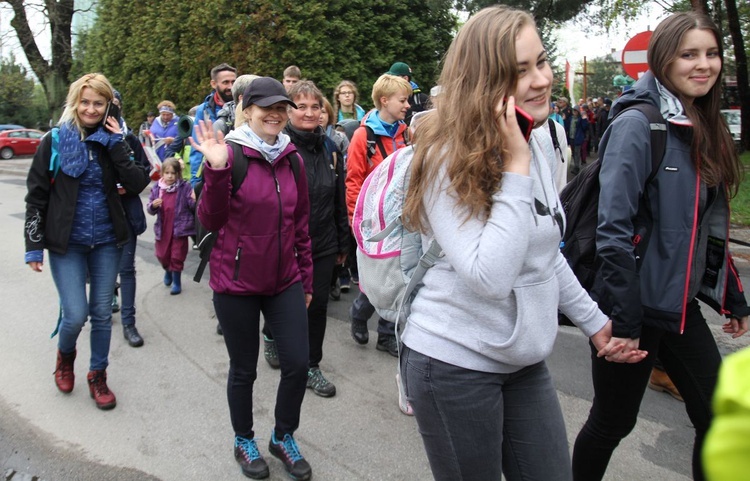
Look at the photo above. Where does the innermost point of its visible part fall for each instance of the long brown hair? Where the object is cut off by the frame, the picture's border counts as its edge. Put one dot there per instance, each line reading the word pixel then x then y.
pixel 479 69
pixel 712 146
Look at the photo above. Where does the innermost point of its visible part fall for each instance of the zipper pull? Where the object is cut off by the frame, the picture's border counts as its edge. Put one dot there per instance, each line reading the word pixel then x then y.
pixel 237 256
pixel 278 187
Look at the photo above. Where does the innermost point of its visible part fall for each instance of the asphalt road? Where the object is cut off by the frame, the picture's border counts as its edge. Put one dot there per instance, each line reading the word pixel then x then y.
pixel 172 423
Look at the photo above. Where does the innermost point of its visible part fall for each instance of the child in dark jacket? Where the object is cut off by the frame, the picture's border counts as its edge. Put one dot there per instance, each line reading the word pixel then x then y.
pixel 172 200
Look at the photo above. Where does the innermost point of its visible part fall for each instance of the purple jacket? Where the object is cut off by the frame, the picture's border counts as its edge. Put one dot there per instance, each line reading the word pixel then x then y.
pixel 160 132
pixel 263 246
pixel 184 217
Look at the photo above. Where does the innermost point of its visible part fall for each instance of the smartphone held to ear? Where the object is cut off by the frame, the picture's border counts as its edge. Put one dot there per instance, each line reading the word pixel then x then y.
pixel 525 122
pixel 112 111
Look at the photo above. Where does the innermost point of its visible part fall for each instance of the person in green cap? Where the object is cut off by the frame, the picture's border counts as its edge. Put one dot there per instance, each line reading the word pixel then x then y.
pixel 419 101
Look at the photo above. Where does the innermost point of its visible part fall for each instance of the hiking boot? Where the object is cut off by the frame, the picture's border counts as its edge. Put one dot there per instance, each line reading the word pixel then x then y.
pixel 319 384
pixel 270 353
pixel 403 404
pixel 359 331
pixel 130 333
pixel 660 382
pixel 167 278
pixel 336 291
pixel 115 305
pixel 64 375
pixel 103 397
pixel 387 343
pixel 247 455
pixel 219 331
pixel 288 452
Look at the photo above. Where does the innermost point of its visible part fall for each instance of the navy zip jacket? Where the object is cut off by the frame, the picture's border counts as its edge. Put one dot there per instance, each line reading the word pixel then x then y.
pixel 656 253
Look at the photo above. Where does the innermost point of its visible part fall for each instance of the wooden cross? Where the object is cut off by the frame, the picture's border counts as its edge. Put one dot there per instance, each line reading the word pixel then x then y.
pixel 585 75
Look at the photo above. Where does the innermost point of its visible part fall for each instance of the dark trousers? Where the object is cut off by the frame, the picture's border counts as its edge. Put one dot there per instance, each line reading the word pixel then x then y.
pixel 477 425
pixel 317 313
pixel 239 317
pixel 692 362
pixel 362 309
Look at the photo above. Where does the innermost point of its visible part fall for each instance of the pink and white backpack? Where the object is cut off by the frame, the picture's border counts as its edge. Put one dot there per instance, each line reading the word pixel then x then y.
pixel 390 258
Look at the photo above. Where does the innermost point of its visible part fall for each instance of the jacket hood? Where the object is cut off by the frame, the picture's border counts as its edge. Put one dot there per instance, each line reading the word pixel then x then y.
pixel 381 128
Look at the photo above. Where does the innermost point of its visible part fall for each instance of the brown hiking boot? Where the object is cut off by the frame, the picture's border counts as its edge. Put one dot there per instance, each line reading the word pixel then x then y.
pixel 660 382
pixel 104 398
pixel 64 375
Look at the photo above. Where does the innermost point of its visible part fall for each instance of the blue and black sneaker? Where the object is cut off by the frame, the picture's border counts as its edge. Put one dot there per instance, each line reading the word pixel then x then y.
pixel 247 455
pixel 288 452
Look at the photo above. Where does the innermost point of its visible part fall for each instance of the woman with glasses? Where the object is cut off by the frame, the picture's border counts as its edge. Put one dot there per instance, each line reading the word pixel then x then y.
pixel 345 96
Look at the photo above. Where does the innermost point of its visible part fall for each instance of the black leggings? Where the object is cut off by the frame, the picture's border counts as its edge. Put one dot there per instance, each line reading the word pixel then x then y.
pixel 317 313
pixel 239 317
pixel 691 360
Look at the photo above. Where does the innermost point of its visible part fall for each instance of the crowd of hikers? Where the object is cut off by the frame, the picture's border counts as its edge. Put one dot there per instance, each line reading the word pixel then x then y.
pixel 265 178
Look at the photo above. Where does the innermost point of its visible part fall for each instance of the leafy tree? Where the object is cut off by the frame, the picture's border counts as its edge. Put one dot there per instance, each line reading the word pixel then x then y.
pixel 53 74
pixel 603 71
pixel 164 50
pixel 18 104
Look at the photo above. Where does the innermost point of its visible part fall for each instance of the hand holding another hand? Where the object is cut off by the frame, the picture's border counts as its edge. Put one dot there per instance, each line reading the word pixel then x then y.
pixel 617 349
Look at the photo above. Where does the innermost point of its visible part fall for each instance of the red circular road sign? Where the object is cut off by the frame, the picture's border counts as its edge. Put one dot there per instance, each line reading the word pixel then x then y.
pixel 634 55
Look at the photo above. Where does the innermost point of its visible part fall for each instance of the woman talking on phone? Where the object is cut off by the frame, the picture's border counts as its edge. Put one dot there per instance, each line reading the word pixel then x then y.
pixel 485 320
pixel 73 210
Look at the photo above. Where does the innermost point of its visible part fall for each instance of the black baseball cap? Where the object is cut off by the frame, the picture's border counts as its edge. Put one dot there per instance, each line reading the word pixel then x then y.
pixel 264 92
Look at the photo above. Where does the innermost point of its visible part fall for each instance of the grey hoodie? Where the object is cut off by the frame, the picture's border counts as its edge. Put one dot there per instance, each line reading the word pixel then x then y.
pixel 490 304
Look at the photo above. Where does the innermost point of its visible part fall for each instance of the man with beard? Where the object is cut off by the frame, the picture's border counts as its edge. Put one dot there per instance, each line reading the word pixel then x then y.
pixel 222 79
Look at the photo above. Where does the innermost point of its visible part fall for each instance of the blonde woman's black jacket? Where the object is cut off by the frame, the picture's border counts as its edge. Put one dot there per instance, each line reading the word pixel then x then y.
pixel 657 252
pixel 51 202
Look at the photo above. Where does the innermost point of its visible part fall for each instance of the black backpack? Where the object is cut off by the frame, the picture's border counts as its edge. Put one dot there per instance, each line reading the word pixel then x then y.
pixel 207 239
pixel 580 201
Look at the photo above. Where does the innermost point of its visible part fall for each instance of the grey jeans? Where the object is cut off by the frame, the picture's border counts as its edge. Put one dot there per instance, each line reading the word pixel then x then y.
pixel 478 425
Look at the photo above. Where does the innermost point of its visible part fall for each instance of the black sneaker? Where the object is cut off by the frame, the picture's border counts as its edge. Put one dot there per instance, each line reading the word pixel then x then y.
pixel 270 353
pixel 387 343
pixel 247 455
pixel 319 384
pixel 288 452
pixel 219 331
pixel 359 331
pixel 132 336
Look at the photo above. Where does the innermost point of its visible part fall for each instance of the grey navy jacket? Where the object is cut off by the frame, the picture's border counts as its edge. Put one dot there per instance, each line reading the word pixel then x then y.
pixel 650 266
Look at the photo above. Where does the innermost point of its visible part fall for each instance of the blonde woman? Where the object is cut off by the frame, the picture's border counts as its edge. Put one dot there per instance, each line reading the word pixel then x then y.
pixel 78 217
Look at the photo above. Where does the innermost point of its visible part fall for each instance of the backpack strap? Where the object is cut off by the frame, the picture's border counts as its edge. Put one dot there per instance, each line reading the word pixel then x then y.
pixel 374 141
pixel 658 127
pixel 54 161
pixel 555 141
pixel 240 164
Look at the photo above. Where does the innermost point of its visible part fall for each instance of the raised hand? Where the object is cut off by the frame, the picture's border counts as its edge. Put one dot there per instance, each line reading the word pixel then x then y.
pixel 515 143
pixel 212 146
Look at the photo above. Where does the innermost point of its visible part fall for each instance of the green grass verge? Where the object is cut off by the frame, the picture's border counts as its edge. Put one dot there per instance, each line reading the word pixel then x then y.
pixel 741 203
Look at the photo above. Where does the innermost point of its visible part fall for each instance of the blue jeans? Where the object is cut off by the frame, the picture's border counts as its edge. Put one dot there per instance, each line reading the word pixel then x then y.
pixel 478 425
pixel 69 271
pixel 127 280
